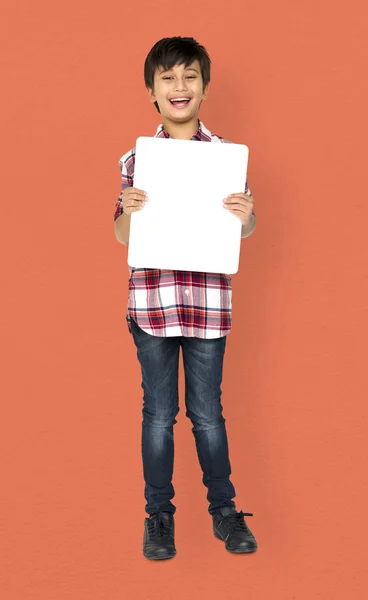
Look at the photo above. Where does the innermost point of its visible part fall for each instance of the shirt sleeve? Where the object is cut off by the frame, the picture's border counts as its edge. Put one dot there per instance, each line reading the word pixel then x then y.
pixel 126 166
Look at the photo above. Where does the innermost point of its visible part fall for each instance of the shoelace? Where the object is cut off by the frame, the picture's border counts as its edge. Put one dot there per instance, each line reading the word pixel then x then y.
pixel 158 525
pixel 236 521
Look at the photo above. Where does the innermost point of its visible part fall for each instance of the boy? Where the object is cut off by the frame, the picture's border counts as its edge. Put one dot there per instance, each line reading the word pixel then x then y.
pixel 172 309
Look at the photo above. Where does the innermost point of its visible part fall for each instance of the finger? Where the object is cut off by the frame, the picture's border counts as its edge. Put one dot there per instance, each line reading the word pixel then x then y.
pixel 239 205
pixel 133 202
pixel 133 209
pixel 243 214
pixel 235 202
pixel 244 207
pixel 243 199
pixel 244 195
pixel 135 193
pixel 131 188
pixel 140 198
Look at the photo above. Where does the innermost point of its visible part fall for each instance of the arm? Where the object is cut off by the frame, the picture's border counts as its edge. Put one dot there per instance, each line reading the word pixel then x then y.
pixel 122 229
pixel 249 227
pixel 251 224
pixel 121 220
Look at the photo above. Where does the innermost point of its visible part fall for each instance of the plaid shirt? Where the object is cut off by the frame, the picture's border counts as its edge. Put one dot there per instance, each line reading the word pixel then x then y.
pixel 176 303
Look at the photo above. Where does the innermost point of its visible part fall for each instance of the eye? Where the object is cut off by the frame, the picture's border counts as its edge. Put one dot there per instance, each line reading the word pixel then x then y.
pixel 189 77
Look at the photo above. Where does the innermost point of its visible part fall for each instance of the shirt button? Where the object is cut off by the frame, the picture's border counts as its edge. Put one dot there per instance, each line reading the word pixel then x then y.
pixel 187 292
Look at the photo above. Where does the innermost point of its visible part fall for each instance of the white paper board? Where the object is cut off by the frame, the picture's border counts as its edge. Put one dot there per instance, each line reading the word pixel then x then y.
pixel 184 225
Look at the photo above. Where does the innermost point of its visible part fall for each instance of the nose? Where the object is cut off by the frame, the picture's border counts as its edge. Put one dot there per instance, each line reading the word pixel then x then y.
pixel 180 84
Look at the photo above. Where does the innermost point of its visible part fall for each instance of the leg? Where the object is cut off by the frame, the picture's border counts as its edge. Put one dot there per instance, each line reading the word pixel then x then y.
pixel 159 359
pixel 203 365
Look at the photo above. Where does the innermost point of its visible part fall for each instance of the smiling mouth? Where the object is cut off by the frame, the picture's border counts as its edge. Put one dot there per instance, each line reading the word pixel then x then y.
pixel 180 102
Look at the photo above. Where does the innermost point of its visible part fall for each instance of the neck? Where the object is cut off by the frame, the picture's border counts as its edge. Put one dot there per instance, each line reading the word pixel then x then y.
pixel 181 131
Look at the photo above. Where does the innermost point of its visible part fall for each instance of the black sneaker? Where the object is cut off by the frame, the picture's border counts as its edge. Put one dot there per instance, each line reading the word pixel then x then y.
pixel 230 526
pixel 158 539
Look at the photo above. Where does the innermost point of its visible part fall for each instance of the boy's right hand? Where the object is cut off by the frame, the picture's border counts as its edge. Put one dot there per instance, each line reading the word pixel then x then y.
pixel 133 200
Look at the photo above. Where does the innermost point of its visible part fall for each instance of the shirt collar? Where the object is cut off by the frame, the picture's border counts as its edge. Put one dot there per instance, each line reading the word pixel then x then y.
pixel 202 134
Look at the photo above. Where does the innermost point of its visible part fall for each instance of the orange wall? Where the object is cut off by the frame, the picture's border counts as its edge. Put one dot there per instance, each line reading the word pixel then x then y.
pixel 288 80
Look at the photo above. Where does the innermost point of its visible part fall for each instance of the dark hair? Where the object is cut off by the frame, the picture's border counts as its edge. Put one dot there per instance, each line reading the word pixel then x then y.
pixel 169 52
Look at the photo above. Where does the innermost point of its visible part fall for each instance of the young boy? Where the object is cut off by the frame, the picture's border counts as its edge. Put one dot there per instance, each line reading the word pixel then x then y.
pixel 172 309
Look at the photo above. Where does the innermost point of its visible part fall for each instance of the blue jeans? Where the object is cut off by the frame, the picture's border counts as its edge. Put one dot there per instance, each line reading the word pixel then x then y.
pixel 203 365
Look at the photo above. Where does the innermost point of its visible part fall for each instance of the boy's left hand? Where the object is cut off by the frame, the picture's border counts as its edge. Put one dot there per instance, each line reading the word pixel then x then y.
pixel 240 205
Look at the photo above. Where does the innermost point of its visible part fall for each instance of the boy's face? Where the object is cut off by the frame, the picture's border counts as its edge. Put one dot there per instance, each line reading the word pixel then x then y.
pixel 178 82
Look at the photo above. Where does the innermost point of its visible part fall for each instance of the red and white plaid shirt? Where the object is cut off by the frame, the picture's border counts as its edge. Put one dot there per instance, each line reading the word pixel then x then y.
pixel 176 303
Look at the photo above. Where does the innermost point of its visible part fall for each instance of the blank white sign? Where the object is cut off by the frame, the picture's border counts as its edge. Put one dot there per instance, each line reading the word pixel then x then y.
pixel 184 225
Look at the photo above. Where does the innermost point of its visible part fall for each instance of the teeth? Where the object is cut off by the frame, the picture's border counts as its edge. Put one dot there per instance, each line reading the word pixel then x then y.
pixel 179 99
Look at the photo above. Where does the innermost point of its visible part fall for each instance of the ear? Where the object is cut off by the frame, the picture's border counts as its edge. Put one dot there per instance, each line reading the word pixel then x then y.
pixel 151 95
pixel 206 91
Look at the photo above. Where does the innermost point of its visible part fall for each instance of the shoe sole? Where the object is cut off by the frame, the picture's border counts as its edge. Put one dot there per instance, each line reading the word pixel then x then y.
pixel 240 551
pixel 159 557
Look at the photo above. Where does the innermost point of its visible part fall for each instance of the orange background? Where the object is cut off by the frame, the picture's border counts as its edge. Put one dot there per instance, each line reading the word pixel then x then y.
pixel 289 80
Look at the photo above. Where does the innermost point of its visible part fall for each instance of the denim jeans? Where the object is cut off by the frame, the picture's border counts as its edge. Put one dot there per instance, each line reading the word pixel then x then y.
pixel 203 365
